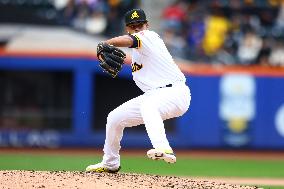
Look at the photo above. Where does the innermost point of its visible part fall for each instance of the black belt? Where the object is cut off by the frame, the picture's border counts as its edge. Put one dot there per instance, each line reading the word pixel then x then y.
pixel 169 85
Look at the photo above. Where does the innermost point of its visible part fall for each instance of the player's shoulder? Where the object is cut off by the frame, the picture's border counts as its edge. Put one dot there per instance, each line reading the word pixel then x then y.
pixel 148 33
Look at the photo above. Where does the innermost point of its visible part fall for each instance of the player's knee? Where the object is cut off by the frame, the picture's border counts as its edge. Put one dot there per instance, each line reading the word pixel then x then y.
pixel 113 119
pixel 184 106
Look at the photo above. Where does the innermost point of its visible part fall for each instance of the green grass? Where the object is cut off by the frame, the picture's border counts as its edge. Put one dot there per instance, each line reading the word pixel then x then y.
pixel 207 167
pixel 272 187
pixel 134 164
pixel 45 162
pixel 183 167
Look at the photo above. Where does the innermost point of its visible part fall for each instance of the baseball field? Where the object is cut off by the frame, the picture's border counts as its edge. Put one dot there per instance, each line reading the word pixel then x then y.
pixel 194 169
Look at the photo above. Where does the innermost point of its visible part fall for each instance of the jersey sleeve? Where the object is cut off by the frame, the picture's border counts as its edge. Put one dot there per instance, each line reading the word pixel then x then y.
pixel 144 41
pixel 137 43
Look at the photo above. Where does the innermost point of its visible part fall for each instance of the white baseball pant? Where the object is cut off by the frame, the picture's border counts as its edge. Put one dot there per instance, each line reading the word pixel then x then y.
pixel 150 109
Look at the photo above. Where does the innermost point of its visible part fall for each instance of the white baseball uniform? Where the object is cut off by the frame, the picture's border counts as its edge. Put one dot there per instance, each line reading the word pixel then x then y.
pixel 165 96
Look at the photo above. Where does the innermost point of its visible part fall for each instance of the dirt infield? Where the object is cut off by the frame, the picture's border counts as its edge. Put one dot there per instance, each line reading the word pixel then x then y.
pixel 83 180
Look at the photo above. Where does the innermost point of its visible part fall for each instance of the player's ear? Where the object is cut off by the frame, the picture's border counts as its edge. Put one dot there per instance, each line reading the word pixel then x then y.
pixel 147 24
pixel 127 30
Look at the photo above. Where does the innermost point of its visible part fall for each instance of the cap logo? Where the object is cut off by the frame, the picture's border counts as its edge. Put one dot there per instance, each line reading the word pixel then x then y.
pixel 134 15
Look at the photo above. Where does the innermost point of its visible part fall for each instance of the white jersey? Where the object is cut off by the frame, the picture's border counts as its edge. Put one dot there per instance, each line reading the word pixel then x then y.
pixel 152 65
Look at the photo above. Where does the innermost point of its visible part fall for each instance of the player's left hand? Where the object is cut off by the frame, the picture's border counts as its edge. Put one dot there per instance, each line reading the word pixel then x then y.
pixel 111 58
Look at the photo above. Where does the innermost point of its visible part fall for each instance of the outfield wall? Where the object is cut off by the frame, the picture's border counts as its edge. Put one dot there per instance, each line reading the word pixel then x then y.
pixel 231 107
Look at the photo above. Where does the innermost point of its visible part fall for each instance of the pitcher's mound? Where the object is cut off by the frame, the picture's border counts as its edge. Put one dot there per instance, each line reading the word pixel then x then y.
pixel 83 180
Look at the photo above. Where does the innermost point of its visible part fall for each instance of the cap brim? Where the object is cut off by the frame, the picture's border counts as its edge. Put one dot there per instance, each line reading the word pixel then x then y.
pixel 135 21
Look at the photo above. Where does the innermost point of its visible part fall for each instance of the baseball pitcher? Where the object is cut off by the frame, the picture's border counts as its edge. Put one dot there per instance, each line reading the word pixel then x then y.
pixel 155 73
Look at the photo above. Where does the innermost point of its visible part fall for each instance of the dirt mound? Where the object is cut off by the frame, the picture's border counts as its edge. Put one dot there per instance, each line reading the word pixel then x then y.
pixel 83 180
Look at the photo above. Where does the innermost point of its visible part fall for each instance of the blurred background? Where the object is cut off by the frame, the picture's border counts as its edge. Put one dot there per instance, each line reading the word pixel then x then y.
pixel 53 94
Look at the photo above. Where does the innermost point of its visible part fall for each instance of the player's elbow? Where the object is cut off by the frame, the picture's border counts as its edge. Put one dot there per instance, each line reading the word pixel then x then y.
pixel 128 41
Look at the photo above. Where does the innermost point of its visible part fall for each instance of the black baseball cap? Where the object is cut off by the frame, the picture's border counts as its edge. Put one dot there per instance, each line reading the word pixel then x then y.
pixel 135 15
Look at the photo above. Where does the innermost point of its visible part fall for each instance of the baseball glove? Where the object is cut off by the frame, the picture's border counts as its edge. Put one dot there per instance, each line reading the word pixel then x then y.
pixel 111 58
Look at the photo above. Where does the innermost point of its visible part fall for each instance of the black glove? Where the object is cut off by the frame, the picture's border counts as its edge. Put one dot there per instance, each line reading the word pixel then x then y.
pixel 111 58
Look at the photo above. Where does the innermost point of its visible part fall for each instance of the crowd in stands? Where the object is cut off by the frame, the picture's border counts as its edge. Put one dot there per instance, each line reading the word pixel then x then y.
pixel 90 16
pixel 245 32
pixel 95 16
